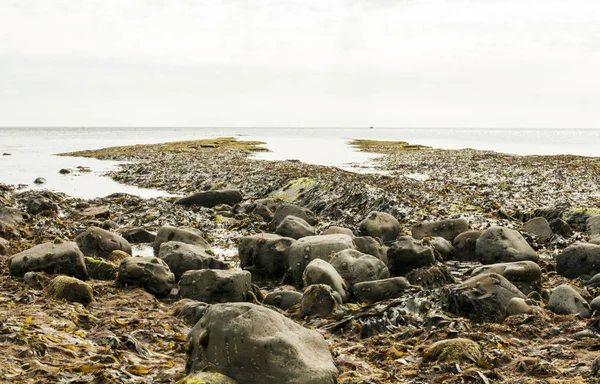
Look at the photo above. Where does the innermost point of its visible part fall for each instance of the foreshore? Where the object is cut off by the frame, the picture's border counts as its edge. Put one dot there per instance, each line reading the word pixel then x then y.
pixel 129 335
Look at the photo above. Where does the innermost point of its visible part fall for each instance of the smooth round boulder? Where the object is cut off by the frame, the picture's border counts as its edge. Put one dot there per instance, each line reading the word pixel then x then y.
pixel 265 255
pixel 321 272
pixel 520 306
pixel 212 198
pixel 99 242
pixel 594 282
pixel 150 273
pixel 70 289
pixel 464 246
pixel 579 259
pixel 525 275
pixel 319 300
pixel 356 267
pixel 215 285
pixel 286 209
pixel 443 247
pixel 447 229
pixel 503 245
pixel 255 345
pixel 53 258
pixel 565 300
pixel 182 257
pixel 539 227
pixel 378 290
pixel 294 227
pixel 39 180
pixel 407 254
pixel 283 299
pixel 380 224
pixel 38 204
pixel 184 235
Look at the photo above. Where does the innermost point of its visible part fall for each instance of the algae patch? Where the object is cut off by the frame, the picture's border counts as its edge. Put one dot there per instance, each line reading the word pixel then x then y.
pixel 293 190
pixel 385 147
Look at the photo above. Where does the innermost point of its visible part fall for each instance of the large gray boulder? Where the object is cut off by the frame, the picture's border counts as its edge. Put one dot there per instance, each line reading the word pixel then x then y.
pixel 525 275
pixel 593 227
pixel 381 225
pixel 215 286
pixel 465 246
pixel 256 345
pixel 294 227
pixel 150 273
pixel 377 290
pixel 98 242
pixel 540 227
pixel 210 199
pixel 37 204
pixel 371 246
pixel 407 254
pixel 184 235
pixel 12 216
pixel 448 229
pixel 321 272
pixel 356 267
pixel 285 210
pixel 580 259
pixel 484 297
pixel 265 254
pixel 306 249
pixel 565 300
pixel 503 245
pixel 53 258
pixel 182 257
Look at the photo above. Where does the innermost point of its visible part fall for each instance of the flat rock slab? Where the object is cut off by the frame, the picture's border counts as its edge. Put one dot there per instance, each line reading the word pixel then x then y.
pixel 64 258
pixel 448 229
pixel 215 286
pixel 210 199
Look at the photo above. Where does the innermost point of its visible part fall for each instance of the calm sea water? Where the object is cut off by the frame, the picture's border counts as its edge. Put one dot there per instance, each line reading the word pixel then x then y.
pixel 32 149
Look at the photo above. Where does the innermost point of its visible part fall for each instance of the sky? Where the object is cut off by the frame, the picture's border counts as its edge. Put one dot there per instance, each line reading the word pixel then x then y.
pixel 323 63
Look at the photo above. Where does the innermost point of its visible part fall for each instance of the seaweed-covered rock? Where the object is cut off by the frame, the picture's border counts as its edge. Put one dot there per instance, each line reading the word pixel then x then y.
pixel 265 254
pixel 577 217
pixel 454 351
pixel 502 245
pixel 321 272
pixel 64 258
pixel 407 253
pixel 182 257
pixel 565 300
pixel 138 236
pixel 593 227
pixel 255 345
pixel 100 243
pixel 285 210
pixel 150 273
pixel 37 204
pixel 580 259
pixel 484 297
pixel 561 227
pixel 356 267
pixel 215 286
pixel 36 280
pixel 70 289
pixel 207 378
pixel 335 230
pixel 294 227
pixel 283 299
pixel 306 249
pixel 12 216
pixel 443 247
pixel 371 246
pixel 100 269
pixel 191 311
pixel 465 246
pixel 431 276
pixel 381 225
pixel 540 227
pixel 212 198
pixel 377 290
pixel 525 275
pixel 319 300
pixel 448 229
pixel 184 235
pixel 264 208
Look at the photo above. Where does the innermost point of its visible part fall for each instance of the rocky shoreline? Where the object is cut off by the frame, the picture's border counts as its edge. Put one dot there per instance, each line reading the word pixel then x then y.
pixel 480 270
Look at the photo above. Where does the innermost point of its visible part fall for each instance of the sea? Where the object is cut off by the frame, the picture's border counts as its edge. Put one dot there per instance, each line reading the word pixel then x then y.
pixel 29 153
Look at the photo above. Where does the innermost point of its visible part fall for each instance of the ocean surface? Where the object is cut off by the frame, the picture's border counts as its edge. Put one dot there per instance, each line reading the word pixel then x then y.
pixel 32 149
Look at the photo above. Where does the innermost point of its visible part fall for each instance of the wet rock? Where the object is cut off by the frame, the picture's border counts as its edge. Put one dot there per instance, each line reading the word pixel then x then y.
pixel 381 225
pixel 593 227
pixel 233 340
pixel 377 290
pixel 595 304
pixel 52 258
pixel 182 257
pixel 150 273
pixel 465 246
pixel 319 300
pixel 430 277
pixel 96 212
pixel 36 205
pixel 540 227
pixel 594 282
pixel 561 227
pixel 215 286
pixel 335 230
pixel 12 216
pixel 525 275
pixel 481 298
pixel 64 171
pixel 443 247
pixel 138 236
pixel 9 231
pixel 99 242
pixel 498 245
pixel 306 249
pixel 285 210
pixel 406 254
pixel 71 289
pixel 565 300
pixel 39 180
pixel 448 229
pixel 36 280
pixel 520 306
pixel 207 378
pixel 321 272
pixel 580 259
pixel 184 235
pixel 356 267
pixel 283 299
pixel 294 227
pixel 100 269
pixel 371 246
pixel 265 255
pixel 191 311
pixel 454 351
pixel 210 199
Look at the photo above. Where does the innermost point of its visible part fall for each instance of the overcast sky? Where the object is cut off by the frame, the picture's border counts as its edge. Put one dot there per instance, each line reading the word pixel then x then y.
pixel 397 63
